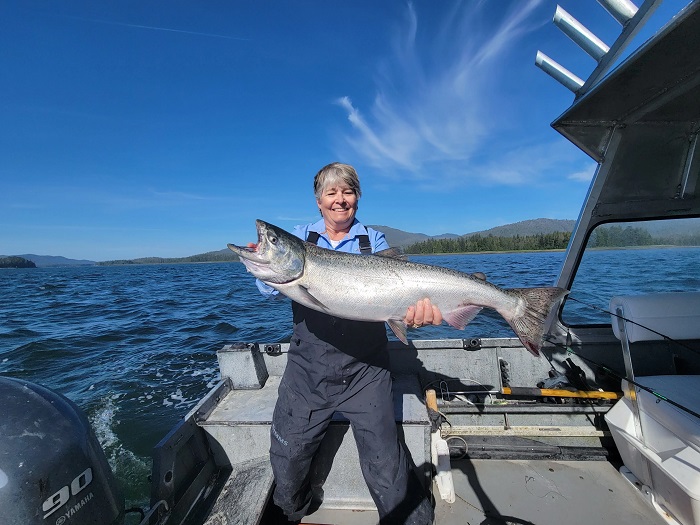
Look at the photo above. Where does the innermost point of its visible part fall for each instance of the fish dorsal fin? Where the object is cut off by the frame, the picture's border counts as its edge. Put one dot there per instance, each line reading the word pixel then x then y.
pixel 479 275
pixel 399 329
pixel 392 253
pixel 461 317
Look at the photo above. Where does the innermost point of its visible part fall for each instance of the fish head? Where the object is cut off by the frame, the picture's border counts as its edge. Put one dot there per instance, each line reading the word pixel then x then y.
pixel 277 258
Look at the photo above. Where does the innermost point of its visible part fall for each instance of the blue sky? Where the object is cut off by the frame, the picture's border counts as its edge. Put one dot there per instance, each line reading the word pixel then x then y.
pixel 165 128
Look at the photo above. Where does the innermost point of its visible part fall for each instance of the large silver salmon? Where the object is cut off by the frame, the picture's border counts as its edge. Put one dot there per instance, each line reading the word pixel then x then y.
pixel 381 288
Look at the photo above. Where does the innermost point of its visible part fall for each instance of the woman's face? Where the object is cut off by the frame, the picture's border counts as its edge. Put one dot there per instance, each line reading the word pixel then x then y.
pixel 338 204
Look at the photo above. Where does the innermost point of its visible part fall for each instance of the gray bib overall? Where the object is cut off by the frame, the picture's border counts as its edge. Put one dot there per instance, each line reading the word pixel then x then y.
pixel 338 365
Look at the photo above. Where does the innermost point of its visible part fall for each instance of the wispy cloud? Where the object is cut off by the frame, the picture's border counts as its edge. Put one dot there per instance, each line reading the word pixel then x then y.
pixel 154 28
pixel 530 163
pixel 430 109
pixel 181 196
pixel 79 227
pixel 584 175
pixel 150 199
pixel 107 197
pixel 298 220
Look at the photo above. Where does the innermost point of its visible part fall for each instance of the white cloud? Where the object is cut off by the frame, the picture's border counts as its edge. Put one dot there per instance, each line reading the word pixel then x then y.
pixel 430 112
pixel 298 220
pixel 529 164
pixel 181 196
pixel 584 175
pixel 153 28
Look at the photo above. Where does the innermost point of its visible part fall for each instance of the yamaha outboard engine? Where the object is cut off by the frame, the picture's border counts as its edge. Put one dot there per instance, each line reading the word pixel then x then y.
pixel 52 468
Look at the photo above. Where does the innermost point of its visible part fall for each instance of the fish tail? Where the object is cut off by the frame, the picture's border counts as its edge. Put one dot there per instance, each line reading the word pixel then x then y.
pixel 529 322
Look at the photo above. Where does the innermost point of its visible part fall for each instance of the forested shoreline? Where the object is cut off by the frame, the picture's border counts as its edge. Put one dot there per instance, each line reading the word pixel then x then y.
pixel 209 257
pixel 16 262
pixel 604 237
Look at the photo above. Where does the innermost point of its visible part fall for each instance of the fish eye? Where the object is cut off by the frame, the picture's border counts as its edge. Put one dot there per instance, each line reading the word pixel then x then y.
pixel 273 239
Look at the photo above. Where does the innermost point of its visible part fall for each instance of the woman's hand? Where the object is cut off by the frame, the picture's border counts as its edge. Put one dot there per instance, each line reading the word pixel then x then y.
pixel 422 314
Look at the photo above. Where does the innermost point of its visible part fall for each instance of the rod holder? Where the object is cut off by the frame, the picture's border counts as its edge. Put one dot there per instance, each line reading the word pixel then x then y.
pixel 558 72
pixel 621 10
pixel 577 32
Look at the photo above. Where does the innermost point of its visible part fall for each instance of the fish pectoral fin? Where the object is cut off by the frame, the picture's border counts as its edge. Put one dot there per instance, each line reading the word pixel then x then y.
pixel 307 296
pixel 399 329
pixel 392 253
pixel 462 316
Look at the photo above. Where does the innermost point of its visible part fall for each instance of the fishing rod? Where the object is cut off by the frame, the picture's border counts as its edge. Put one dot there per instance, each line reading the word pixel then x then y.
pixel 619 376
pixel 615 374
pixel 676 341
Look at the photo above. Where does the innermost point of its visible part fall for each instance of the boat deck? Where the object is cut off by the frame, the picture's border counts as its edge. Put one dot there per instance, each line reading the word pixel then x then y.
pixel 517 479
pixel 542 493
pixel 490 492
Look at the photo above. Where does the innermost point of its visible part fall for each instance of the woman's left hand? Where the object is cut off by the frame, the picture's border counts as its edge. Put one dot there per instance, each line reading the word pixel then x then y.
pixel 422 314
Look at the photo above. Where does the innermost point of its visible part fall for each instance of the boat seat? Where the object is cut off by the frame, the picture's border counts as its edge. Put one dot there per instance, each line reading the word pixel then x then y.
pixel 682 389
pixel 659 442
pixel 675 315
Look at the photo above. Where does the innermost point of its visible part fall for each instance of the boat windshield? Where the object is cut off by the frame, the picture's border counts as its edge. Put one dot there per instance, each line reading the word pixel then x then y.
pixel 632 258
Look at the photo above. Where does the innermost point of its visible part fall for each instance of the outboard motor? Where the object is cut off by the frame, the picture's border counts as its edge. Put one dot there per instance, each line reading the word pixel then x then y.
pixel 52 468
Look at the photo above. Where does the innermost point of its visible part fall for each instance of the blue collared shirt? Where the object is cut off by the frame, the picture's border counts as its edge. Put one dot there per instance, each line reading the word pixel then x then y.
pixel 349 244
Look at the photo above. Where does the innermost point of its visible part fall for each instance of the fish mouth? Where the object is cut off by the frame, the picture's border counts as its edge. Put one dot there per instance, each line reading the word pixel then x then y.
pixel 250 255
pixel 278 256
pixel 245 252
pixel 254 255
pixel 251 259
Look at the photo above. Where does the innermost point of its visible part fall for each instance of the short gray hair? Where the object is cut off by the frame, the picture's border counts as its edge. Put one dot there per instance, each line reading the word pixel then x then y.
pixel 333 174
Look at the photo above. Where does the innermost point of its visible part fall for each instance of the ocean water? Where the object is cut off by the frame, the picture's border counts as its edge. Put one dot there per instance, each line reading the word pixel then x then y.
pixel 135 346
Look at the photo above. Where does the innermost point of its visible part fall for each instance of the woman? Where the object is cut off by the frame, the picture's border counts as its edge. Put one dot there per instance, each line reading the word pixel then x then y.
pixel 339 365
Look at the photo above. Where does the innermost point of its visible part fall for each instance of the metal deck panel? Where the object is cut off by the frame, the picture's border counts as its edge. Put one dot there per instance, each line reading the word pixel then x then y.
pixel 491 492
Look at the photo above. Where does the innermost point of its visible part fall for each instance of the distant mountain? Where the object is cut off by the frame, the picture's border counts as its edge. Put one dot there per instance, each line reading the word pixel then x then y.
pixel 401 239
pixel 396 238
pixel 671 228
pixel 529 227
pixel 42 261
pixel 224 255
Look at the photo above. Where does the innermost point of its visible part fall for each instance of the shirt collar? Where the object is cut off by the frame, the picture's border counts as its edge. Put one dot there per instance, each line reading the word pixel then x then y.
pixel 356 229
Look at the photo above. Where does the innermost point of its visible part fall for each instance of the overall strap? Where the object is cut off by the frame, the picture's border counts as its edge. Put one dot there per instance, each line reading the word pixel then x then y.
pixel 312 237
pixel 365 245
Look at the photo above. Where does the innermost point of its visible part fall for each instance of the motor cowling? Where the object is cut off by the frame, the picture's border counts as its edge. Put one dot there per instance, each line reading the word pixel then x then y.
pixel 53 470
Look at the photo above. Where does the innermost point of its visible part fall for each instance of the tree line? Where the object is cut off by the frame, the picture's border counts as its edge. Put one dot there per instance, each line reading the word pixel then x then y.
pixel 618 236
pixel 602 237
pixel 219 256
pixel 16 262
pixel 492 243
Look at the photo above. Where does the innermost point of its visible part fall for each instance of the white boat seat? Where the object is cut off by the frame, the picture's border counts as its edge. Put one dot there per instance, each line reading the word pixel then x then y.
pixel 659 442
pixel 675 315
pixel 682 389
